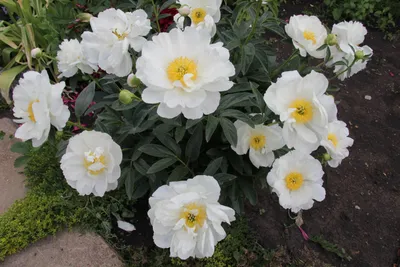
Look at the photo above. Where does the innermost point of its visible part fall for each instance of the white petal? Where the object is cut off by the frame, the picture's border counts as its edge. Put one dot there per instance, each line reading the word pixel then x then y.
pixel 126 226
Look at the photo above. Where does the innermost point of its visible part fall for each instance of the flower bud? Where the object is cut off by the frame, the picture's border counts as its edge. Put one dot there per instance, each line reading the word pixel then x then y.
pixel 184 10
pixel 126 97
pixel 331 39
pixel 359 55
pixel 84 17
pixel 327 157
pixel 133 81
pixel 36 52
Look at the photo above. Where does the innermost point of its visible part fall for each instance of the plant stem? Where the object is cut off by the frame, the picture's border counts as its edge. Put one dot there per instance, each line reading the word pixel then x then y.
pixel 254 25
pixel 349 67
pixel 156 16
pixel 186 166
pixel 276 72
pixel 80 126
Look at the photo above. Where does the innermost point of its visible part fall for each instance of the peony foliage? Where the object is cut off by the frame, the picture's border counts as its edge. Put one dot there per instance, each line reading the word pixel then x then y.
pixel 202 117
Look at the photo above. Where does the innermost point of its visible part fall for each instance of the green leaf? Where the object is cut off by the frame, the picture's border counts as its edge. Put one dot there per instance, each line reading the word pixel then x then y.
pixel 6 79
pixel 84 99
pixel 224 177
pixel 129 175
pixel 21 148
pixel 156 151
pixel 161 165
pixel 178 174
pixel 229 131
pixel 167 141
pixel 179 133
pixel 213 167
pixel 140 190
pixel 231 100
pixel 191 123
pixel 61 148
pixel 193 146
pixel 167 4
pixel 248 189
pixel 259 97
pixel 19 162
pixel 247 58
pixel 211 126
pixel 236 114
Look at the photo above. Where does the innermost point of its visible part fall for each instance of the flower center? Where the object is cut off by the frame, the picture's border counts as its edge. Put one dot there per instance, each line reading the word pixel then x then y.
pixel 303 112
pixel 30 110
pixel 257 142
pixel 119 36
pixel 194 215
pixel 294 180
pixel 309 35
pixel 95 162
pixel 333 138
pixel 181 66
pixel 197 15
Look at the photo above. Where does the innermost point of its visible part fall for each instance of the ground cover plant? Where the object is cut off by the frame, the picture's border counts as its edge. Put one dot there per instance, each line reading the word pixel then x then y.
pixel 194 116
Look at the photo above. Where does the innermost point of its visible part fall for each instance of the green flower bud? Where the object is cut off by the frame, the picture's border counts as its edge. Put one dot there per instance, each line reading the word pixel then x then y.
pixel 133 81
pixel 59 134
pixel 359 55
pixel 331 39
pixel 327 157
pixel 126 97
pixel 84 17
pixel 36 52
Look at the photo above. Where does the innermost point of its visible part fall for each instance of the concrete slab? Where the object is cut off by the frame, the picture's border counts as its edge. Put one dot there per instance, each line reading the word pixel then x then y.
pixel 66 249
pixel 11 181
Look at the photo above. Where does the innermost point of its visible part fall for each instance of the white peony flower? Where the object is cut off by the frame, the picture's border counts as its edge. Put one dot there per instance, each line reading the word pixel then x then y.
pixel 262 141
pixel 128 227
pixel 297 180
pixel 91 163
pixel 349 34
pixel 199 9
pixel 187 217
pixel 38 104
pixel 70 58
pixel 308 34
pixel 345 72
pixel 337 142
pixel 113 33
pixel 304 108
pixel 207 23
pixel 188 78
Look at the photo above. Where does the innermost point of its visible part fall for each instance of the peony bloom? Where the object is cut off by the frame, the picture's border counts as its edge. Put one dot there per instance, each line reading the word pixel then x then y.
pixel 343 71
pixel 207 23
pixel 70 58
pixel 304 108
pixel 308 34
pixel 349 34
pixel 189 77
pixel 297 180
pixel 262 141
pixel 91 163
pixel 113 33
pixel 187 217
pixel 337 142
pixel 39 105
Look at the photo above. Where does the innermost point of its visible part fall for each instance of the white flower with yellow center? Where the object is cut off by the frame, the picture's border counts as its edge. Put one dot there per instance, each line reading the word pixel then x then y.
pixel 308 34
pixel 187 217
pixel 70 58
pixel 304 108
pixel 113 33
pixel 261 141
pixel 91 163
pixel 349 34
pixel 336 142
pixel 200 20
pixel 297 180
pixel 39 105
pixel 199 9
pixel 188 78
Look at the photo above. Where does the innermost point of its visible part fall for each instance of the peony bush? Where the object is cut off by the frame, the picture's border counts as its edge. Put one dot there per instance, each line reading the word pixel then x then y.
pixel 198 118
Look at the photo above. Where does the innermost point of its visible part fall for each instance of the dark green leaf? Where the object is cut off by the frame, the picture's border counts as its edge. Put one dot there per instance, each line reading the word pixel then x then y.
pixel 129 175
pixel 191 123
pixel 140 190
pixel 229 131
pixel 248 189
pixel 141 166
pixel 178 174
pixel 194 144
pixel 167 141
pixel 136 154
pixel 236 114
pixel 259 97
pixel 179 133
pixel 224 177
pixel 161 165
pixel 167 4
pixel 213 167
pixel 84 99
pixel 211 126
pixel 231 100
pixel 156 151
pixel 247 58
pixel 19 162
pixel 61 148
pixel 21 147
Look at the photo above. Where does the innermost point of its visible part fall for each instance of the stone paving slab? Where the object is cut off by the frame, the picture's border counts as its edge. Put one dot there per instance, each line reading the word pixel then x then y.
pixel 66 249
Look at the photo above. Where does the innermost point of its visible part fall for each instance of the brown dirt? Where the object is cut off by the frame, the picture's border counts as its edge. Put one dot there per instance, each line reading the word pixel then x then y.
pixel 368 179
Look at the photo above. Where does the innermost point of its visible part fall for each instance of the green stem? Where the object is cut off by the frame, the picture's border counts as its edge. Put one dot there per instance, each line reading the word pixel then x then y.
pixel 349 67
pixel 186 166
pixel 156 16
pixel 254 25
pixel 276 72
pixel 80 126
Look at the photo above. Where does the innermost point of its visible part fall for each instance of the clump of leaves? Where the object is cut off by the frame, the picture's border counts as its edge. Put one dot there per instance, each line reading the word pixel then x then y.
pixel 328 246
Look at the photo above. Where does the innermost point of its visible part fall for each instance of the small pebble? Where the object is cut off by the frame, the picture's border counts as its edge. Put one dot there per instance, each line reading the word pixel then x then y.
pixel 368 97
pixel 357 207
